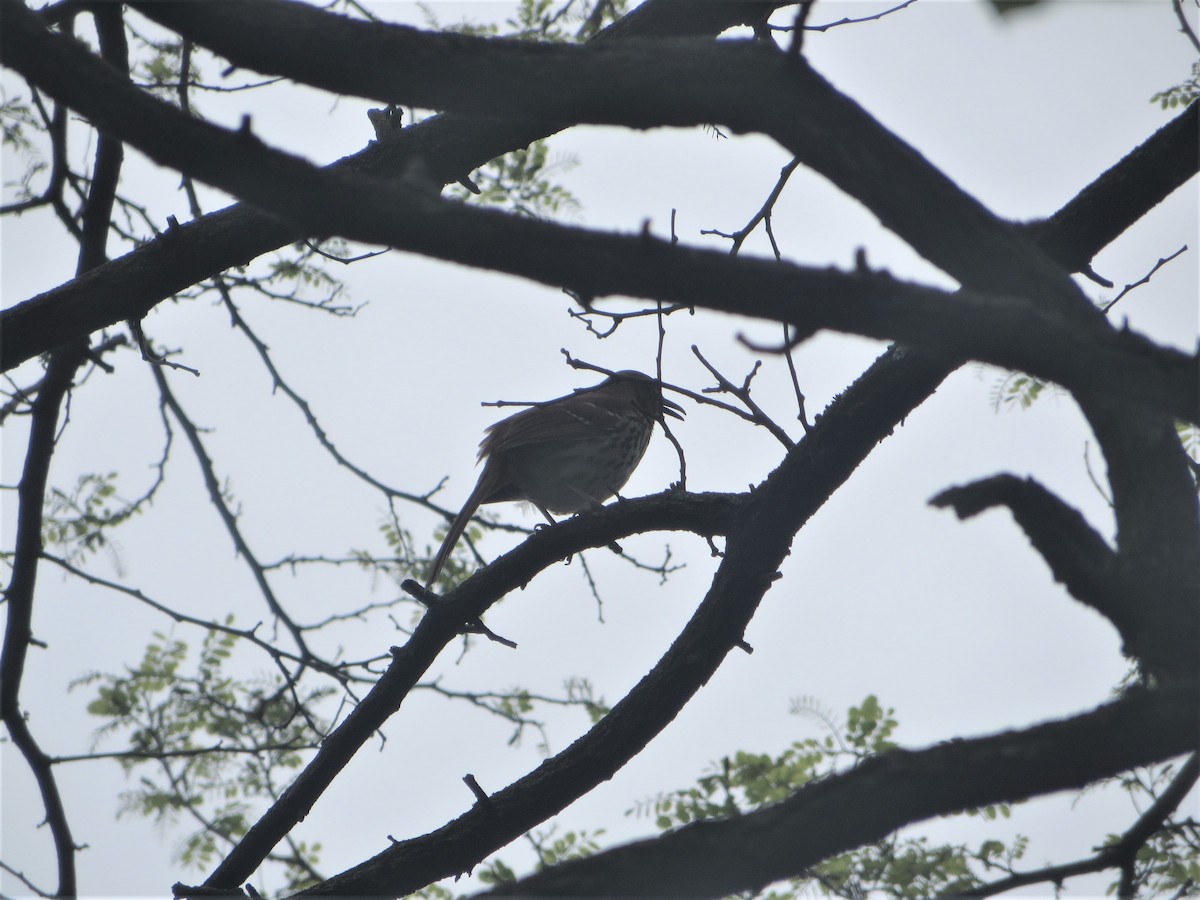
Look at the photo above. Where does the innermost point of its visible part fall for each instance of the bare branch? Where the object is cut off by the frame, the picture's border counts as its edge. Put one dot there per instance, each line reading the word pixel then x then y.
pixel 763 215
pixel 944 224
pixel 60 372
pixel 1145 279
pixel 755 413
pixel 442 624
pixel 1185 27
pixel 18 633
pixel 217 498
pixel 341 671
pixel 1116 855
pixel 886 792
pixel 844 21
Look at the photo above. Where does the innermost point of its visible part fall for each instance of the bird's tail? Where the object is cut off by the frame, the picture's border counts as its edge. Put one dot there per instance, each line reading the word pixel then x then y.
pixel 457 527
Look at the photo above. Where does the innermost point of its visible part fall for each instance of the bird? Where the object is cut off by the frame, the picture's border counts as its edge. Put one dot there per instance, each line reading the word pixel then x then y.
pixel 565 455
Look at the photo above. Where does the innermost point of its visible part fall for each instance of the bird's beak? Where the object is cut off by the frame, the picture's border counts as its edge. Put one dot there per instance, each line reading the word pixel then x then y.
pixel 672 409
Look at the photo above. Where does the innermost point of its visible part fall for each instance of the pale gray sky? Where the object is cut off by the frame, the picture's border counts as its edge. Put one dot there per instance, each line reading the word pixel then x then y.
pixel 957 625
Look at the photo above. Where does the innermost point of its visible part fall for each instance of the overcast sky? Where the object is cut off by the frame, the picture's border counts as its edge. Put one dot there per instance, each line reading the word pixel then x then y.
pixel 958 626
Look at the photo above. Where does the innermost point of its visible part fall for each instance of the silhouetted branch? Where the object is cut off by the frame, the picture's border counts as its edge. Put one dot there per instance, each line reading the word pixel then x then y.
pixel 943 223
pixel 704 513
pixel 450 145
pixel 1185 27
pixel 1158 531
pixel 1076 554
pixel 45 411
pixel 1129 189
pixel 1120 854
pixel 341 671
pixel 719 857
pixel 1145 279
pixel 755 413
pixel 217 498
pixel 763 216
pixel 746 86
pixel 18 632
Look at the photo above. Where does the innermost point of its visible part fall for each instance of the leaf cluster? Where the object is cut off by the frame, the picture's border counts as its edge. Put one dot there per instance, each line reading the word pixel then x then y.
pixel 524 181
pixel 77 520
pixel 1167 864
pixel 901 867
pixel 1180 95
pixel 551 848
pixel 206 745
pixel 551 21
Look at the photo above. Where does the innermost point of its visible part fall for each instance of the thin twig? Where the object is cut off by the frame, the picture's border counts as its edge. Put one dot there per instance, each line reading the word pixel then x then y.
pixel 764 212
pixel 217 498
pixel 340 672
pixel 1145 279
pixel 846 21
pixel 430 599
pixel 1121 854
pixel 1185 26
pixel 791 364
pixel 755 414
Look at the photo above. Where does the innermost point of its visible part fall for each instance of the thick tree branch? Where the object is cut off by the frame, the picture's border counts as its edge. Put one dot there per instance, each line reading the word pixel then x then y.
pixel 1117 855
pixel 713 859
pixel 128 287
pixel 748 86
pixel 704 514
pixel 1158 531
pixel 45 410
pixel 1005 331
pixel 1128 190
pixel 18 633
pixel 110 154
pixel 398 64
pixel 1077 555
pixel 449 146
pixel 847 432
pixel 1149 590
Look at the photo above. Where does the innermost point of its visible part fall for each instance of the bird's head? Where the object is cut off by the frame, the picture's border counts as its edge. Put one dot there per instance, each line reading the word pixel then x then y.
pixel 646 393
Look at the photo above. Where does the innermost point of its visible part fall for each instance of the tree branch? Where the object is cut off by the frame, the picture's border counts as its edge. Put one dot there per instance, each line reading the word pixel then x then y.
pixel 887 792
pixel 217 498
pixel 1113 855
pixel 449 145
pixel 45 410
pixel 873 304
pixel 1158 531
pixel 749 86
pixel 1077 555
pixel 1098 214
pixel 18 632
pixel 705 514
pixel 1149 589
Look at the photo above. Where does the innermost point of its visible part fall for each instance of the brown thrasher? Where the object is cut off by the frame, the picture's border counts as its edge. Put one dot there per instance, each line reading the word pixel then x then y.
pixel 565 455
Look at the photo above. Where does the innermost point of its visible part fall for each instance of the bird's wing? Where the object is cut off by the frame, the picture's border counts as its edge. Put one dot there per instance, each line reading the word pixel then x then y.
pixel 554 421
